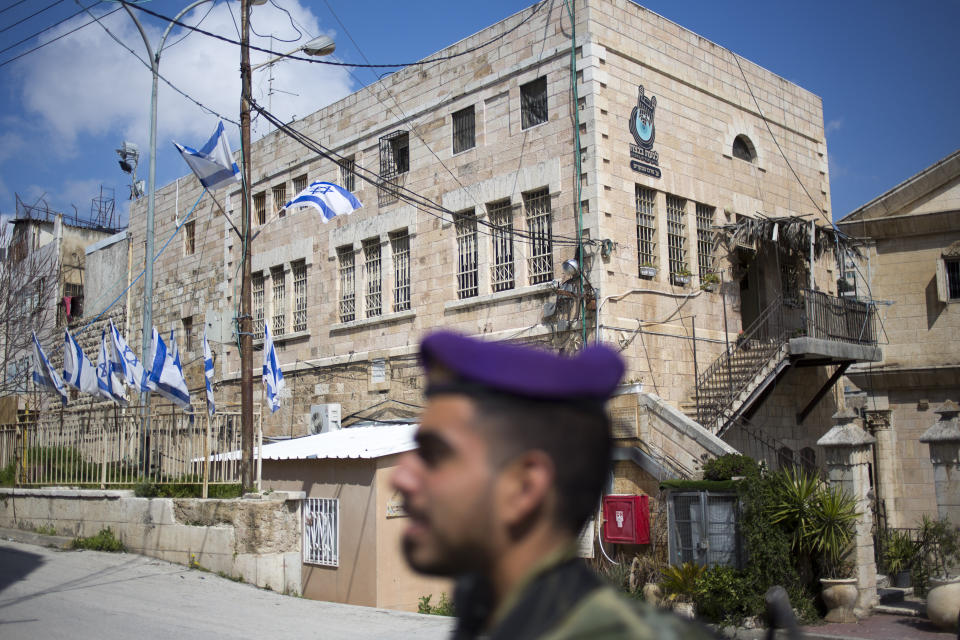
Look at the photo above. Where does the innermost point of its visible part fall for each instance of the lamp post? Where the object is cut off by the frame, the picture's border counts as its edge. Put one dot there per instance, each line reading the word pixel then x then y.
pixel 317 47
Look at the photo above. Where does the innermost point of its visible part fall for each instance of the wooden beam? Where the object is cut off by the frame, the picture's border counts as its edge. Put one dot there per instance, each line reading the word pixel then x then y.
pixel 822 392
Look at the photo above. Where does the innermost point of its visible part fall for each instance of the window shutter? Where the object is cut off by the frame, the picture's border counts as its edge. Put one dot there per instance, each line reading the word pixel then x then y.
pixel 942 289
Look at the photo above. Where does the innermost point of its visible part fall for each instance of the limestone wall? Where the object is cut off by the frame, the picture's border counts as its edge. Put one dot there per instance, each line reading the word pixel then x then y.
pixel 256 540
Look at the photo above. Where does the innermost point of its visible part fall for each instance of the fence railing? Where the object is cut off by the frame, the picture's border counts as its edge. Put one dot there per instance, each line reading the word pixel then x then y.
pixel 842 319
pixel 110 446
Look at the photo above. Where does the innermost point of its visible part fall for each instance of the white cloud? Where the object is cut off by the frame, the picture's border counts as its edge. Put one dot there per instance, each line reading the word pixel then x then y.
pixel 87 84
pixel 834 125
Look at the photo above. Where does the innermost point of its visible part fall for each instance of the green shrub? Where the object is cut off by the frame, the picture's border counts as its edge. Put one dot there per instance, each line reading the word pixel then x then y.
pixel 186 490
pixel 680 582
pixel 442 608
pixel 899 552
pixel 103 541
pixel 724 595
pixel 8 475
pixel 730 465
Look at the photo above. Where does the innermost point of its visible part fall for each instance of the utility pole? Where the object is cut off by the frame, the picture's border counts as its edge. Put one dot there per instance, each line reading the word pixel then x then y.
pixel 245 324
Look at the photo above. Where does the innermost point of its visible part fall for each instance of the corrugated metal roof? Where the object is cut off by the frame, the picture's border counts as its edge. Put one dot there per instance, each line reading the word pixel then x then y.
pixel 352 442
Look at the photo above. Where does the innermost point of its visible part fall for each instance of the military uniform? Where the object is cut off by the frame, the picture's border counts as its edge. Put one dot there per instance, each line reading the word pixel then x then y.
pixel 563 599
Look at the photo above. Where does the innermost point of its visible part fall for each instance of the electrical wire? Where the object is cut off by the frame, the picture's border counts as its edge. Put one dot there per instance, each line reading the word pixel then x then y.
pixel 63 35
pixel 32 15
pixel 5 9
pixel 277 38
pixel 189 33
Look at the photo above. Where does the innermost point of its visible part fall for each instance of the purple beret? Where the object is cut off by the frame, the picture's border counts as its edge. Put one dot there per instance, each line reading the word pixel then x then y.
pixel 455 361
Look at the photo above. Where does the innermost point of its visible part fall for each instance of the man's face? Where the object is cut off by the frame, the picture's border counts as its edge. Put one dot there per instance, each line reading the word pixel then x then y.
pixel 448 491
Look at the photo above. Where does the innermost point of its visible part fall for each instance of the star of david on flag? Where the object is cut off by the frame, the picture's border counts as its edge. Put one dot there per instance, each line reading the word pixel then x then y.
pixel 208 374
pixel 44 375
pixel 108 385
pixel 272 375
pixel 78 372
pixel 329 199
pixel 213 163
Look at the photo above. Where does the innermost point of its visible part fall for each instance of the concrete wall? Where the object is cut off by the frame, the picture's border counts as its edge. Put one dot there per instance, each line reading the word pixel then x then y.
pixel 256 540
pixel 106 272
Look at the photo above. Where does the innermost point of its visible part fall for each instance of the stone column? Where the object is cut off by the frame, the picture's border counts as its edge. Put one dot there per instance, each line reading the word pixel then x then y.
pixel 848 455
pixel 885 467
pixel 944 440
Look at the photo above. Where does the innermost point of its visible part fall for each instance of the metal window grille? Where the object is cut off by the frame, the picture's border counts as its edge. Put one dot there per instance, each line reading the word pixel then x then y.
pixel 501 220
pixel 533 103
pixel 260 207
pixel 464 130
pixel 347 284
pixel 321 531
pixel 952 268
pixel 187 333
pixel 190 237
pixel 257 287
pixel 394 160
pixel 400 244
pixel 373 299
pixel 677 234
pixel 279 199
pixel 279 282
pixel 467 258
pixel 299 184
pixel 704 239
pixel 347 174
pixel 702 529
pixel 299 270
pixel 540 230
pixel 646 226
pixel 743 148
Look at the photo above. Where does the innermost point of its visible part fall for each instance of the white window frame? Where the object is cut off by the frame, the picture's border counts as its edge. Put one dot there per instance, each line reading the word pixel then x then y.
pixel 321 531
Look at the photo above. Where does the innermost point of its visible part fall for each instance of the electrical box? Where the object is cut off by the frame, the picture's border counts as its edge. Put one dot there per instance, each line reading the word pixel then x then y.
pixel 324 418
pixel 626 519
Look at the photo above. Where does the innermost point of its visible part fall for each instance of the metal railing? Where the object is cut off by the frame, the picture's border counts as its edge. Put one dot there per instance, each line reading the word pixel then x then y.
pixel 104 447
pixel 842 319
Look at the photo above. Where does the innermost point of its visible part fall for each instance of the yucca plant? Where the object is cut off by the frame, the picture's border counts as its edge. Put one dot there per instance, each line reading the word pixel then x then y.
pixel 680 582
pixel 796 506
pixel 831 534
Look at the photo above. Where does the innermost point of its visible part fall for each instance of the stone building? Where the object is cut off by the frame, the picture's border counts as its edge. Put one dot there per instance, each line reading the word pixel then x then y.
pixel 911 265
pixel 641 150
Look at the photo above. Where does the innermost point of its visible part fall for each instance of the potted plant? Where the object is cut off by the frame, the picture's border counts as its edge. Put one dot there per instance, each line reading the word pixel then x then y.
pixel 833 518
pixel 940 550
pixel 709 282
pixel 899 552
pixel 648 270
pixel 679 586
pixel 681 276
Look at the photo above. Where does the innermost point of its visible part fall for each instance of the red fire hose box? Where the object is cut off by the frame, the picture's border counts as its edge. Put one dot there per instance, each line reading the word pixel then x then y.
pixel 626 519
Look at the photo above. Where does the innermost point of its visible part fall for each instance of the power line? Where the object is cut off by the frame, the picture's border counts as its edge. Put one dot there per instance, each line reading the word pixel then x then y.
pixel 32 15
pixel 31 37
pixel 5 9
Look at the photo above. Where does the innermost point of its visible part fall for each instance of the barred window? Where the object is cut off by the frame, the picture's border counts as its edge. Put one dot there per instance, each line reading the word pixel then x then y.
pixel 279 199
pixel 464 130
pixel 190 237
pixel 646 226
pixel 394 154
pixel 533 103
pixel 260 207
pixel 321 531
pixel 347 284
pixel 187 333
pixel 347 174
pixel 501 221
pixel 299 184
pixel 400 245
pixel 371 275
pixel 704 239
pixel 540 229
pixel 743 148
pixel 279 282
pixel 677 235
pixel 299 270
pixel 467 259
pixel 257 287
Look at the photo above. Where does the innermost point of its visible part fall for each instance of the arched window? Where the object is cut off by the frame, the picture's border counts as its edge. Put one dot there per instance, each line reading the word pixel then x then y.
pixel 808 458
pixel 785 458
pixel 744 149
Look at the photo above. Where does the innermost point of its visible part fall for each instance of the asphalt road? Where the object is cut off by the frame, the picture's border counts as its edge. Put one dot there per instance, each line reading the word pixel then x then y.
pixel 52 594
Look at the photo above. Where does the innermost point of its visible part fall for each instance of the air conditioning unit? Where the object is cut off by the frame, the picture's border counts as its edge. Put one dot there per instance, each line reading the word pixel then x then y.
pixel 324 418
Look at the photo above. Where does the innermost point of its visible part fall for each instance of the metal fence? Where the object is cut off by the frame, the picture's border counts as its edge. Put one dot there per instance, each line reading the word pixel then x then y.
pixel 112 446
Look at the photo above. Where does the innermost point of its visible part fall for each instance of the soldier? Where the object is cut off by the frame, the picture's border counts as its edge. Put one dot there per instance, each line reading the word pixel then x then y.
pixel 514 451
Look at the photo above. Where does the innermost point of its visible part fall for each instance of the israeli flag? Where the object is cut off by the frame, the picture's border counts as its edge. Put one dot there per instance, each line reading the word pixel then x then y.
pixel 166 374
pixel 125 363
pixel 272 375
pixel 213 163
pixel 44 374
pixel 208 373
pixel 108 385
pixel 329 199
pixel 78 372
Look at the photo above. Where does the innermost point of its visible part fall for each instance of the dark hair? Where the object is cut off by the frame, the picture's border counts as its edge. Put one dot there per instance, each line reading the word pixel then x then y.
pixel 576 436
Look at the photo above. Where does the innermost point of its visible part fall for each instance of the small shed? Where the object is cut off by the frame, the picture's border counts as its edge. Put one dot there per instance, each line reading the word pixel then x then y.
pixel 352 518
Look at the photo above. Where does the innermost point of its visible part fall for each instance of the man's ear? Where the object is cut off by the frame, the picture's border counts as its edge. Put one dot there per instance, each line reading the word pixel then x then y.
pixel 526 487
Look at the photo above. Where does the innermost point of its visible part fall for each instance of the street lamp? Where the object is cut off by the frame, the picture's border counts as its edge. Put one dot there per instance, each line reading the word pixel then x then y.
pixel 317 47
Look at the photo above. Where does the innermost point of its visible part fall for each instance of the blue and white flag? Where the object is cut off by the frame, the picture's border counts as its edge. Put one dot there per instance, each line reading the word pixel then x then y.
pixel 329 199
pixel 78 372
pixel 213 163
pixel 272 375
pixel 125 363
pixel 208 373
pixel 44 374
pixel 166 374
pixel 109 386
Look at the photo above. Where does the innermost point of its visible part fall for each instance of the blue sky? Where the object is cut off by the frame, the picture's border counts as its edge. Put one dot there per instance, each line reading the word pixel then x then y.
pixel 886 72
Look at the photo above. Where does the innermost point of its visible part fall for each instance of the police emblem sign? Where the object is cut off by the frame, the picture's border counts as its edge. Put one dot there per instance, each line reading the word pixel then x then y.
pixel 643 158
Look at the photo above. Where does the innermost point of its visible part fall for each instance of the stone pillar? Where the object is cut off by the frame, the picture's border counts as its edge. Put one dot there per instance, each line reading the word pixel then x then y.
pixel 848 456
pixel 944 440
pixel 885 463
